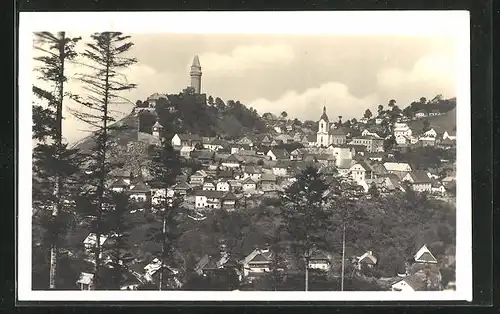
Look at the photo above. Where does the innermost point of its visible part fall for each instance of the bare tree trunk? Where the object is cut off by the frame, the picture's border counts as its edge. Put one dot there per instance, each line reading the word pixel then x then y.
pixel 58 184
pixel 343 259
pixel 307 275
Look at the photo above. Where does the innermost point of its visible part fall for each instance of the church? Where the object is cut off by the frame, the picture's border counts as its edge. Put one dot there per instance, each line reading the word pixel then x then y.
pixel 328 134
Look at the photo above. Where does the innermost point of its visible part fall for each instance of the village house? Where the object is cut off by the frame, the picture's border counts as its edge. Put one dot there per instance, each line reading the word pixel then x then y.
pixel 90 244
pixel 438 188
pixel 285 138
pixel 423 255
pixel 344 166
pixel 209 265
pixel 338 136
pixel 421 114
pixel 266 140
pixel 208 199
pixel 231 162
pixel 229 201
pixel 297 154
pixel 401 139
pixel 185 151
pixel 257 263
pixel 181 140
pixel 446 143
pixel 203 156
pixel 197 178
pixel 223 185
pixel 208 186
pixel 409 284
pixel 278 154
pixel 86 281
pixel 366 260
pixel 371 143
pixel 419 180
pixel 379 120
pixel 119 186
pixel 434 112
pixel 215 144
pixel 311 140
pixel 402 129
pixel 125 175
pixel 140 192
pixel 248 185
pixel 246 140
pixel 368 132
pixel 252 172
pixel 226 174
pixel 280 169
pixel 360 172
pixel 319 261
pixel 268 180
pixel 401 169
pixel 181 188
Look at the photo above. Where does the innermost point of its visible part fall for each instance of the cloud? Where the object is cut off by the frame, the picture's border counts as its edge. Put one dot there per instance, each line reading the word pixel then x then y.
pixel 430 75
pixel 309 104
pixel 244 58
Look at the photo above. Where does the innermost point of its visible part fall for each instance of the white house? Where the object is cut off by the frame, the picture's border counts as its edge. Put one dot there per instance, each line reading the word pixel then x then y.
pixel 252 172
pixel 139 192
pixel 319 261
pixel 378 120
pixel 360 172
pixel 186 151
pixel 86 281
pixel 208 199
pixel 421 114
pixel 257 262
pixel 367 132
pixel 248 185
pixel 402 129
pixel 231 162
pixel 409 284
pixel 223 185
pixel 280 169
pixel 424 256
pixel 398 168
pixel 208 186
pixel 430 133
pixel 367 259
pixel 419 180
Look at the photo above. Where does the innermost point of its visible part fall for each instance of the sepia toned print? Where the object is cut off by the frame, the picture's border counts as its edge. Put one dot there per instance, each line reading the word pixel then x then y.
pixel 244 162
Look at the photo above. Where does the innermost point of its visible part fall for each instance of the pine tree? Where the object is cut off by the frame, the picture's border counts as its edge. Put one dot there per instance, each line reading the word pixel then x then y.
pixel 304 216
pixel 106 57
pixel 53 162
pixel 165 167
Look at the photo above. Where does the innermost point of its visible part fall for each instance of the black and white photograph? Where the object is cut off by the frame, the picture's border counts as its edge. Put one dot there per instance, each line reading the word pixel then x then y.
pixel 266 156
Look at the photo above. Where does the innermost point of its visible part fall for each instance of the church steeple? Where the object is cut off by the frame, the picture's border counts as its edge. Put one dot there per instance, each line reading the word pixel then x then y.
pixel 324 116
pixel 196 75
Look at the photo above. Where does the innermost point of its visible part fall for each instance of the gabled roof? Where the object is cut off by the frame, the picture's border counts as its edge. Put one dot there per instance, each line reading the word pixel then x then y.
pixel 202 154
pixel 85 278
pixel 218 141
pixel 281 164
pixel 230 196
pixel 157 125
pixel 364 165
pixel 210 194
pixel 268 176
pixel 232 158
pixel 200 173
pixel 424 256
pixel 280 153
pixel 337 131
pixel 140 187
pixel 189 137
pixel 258 256
pixel 248 181
pixel 415 282
pixel 420 176
pixel 319 256
pixel 120 183
pixel 226 174
pixel 92 239
pixel 252 170
pixel 368 258
pixel 182 186
pixel 324 116
pixel 397 166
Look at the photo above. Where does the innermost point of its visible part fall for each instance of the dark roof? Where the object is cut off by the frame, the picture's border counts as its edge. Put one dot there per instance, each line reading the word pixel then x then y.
pixel 252 170
pixel 319 255
pixel 268 176
pixel 248 181
pixel 189 137
pixel 232 158
pixel 420 176
pixel 324 116
pixel 182 186
pixel 338 131
pixel 226 174
pixel 312 138
pixel 415 282
pixel 281 164
pixel 211 194
pixel 140 187
pixel 230 196
pixel 202 154
pixel 280 153
pixel 120 183
pixel 217 141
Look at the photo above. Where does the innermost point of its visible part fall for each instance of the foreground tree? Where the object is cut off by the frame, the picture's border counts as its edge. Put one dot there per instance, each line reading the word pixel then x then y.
pixel 105 57
pixel 53 162
pixel 304 216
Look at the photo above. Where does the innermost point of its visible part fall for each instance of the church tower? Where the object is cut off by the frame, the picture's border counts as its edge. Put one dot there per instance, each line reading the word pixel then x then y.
pixel 196 75
pixel 322 136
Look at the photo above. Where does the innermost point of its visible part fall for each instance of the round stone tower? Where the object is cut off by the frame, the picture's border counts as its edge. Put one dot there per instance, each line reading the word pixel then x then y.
pixel 196 75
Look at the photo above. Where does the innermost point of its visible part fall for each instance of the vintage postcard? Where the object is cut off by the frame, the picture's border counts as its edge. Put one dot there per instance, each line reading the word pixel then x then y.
pixel 254 156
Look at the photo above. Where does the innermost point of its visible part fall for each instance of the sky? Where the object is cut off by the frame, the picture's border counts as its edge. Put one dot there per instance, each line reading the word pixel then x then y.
pixel 298 74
